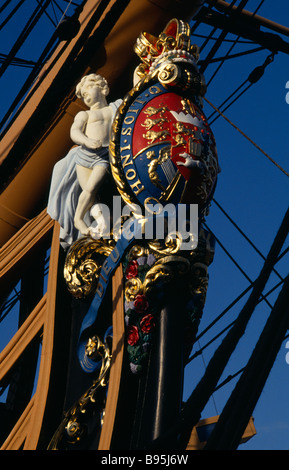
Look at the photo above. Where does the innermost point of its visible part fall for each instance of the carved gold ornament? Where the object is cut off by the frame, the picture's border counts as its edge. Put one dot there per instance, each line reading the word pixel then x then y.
pixel 83 264
pixel 72 428
pixel 165 270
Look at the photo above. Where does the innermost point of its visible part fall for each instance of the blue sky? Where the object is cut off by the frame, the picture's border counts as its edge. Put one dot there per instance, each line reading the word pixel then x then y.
pixel 252 190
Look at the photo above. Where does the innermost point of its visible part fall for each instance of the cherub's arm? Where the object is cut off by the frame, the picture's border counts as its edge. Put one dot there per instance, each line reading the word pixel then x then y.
pixel 77 132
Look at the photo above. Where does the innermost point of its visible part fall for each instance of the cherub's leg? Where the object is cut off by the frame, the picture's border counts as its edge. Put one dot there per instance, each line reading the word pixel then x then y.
pixel 90 182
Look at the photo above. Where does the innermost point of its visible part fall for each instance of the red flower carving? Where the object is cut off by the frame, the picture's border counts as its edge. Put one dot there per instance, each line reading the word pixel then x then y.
pixel 140 303
pixel 147 323
pixel 132 269
pixel 133 335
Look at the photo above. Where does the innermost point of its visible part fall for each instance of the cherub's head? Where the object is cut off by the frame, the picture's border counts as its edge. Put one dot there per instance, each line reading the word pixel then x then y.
pixel 88 86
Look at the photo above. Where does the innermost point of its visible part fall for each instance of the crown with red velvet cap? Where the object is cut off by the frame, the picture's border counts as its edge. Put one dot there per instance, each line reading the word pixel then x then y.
pixel 172 44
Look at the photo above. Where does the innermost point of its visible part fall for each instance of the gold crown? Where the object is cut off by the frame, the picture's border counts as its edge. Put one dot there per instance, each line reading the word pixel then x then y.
pixel 174 42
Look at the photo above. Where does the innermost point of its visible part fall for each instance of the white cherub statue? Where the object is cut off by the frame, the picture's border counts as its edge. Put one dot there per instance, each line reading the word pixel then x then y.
pixel 78 177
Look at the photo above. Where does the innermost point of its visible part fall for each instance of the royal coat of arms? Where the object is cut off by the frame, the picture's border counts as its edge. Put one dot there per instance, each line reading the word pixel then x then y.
pixel 162 148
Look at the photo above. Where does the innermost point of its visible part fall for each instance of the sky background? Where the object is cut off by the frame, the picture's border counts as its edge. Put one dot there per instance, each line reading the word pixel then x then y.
pixel 252 191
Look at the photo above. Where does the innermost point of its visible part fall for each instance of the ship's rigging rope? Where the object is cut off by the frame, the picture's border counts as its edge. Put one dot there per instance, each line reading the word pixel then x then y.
pixel 33 20
pixel 11 14
pixel 253 78
pixel 234 302
pixel 236 41
pixel 221 37
pixel 10 58
pixel 248 138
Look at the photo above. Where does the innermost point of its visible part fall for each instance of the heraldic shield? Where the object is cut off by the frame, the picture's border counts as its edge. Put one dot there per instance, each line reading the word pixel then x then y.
pixel 162 149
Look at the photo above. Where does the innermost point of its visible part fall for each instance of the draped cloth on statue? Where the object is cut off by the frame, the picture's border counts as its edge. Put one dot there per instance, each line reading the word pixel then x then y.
pixel 65 188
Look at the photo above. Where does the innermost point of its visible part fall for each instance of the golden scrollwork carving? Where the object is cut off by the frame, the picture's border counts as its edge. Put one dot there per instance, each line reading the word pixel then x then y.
pixel 72 428
pixel 198 284
pixel 166 267
pixel 169 74
pixel 83 264
pixel 165 270
pixel 137 251
pixel 133 287
pixel 170 245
